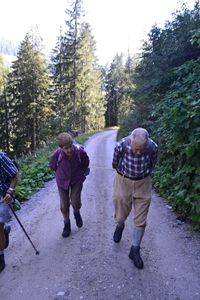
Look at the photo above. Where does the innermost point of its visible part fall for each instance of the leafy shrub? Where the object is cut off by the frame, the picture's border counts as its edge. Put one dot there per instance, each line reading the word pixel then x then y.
pixel 34 171
pixel 178 176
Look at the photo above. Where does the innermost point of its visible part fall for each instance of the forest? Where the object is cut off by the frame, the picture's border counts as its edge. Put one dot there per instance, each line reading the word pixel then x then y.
pixel 157 88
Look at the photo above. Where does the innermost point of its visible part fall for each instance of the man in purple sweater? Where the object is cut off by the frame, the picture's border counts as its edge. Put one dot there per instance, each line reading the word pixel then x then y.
pixel 69 161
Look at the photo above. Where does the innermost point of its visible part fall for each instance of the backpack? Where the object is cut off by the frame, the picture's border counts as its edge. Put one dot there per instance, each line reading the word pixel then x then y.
pixel 125 143
pixel 78 146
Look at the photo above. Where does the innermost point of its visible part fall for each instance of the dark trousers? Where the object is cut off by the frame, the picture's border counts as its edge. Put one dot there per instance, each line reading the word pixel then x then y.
pixel 70 196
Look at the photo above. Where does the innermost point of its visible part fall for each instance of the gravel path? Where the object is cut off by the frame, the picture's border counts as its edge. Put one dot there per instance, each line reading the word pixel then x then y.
pixel 88 264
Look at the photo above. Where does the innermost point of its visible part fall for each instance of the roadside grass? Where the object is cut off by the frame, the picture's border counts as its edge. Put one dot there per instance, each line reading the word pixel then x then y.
pixel 34 172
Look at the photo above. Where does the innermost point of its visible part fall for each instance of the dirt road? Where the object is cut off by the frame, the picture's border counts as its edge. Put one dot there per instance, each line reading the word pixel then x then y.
pixel 88 264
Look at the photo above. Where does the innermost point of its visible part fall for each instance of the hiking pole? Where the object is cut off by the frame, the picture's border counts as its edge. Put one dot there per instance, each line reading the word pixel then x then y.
pixel 36 251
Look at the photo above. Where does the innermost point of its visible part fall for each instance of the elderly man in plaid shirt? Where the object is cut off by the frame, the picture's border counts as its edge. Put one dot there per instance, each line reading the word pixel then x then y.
pixel 134 160
pixel 8 180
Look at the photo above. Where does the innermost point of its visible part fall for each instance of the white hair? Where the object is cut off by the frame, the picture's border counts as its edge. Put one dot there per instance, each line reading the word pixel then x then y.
pixel 140 135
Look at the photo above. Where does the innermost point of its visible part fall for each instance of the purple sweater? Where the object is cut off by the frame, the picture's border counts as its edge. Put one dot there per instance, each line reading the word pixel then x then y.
pixel 69 171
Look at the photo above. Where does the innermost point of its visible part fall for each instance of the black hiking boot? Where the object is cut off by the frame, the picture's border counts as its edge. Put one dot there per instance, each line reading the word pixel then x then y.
pixel 118 233
pixel 2 262
pixel 135 256
pixel 79 221
pixel 7 229
pixel 66 229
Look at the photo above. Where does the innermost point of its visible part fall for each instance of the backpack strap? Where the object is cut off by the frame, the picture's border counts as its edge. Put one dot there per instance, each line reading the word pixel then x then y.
pixel 59 158
pixel 150 151
pixel 124 144
pixel 78 147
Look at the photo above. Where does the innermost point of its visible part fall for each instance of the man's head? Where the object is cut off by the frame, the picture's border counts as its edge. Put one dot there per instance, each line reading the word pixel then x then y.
pixel 65 142
pixel 139 140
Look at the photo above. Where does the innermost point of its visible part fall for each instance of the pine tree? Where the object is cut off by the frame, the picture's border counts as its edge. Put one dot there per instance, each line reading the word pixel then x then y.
pixel 90 100
pixel 77 80
pixel 4 118
pixel 116 82
pixel 64 67
pixel 28 96
pixel 59 90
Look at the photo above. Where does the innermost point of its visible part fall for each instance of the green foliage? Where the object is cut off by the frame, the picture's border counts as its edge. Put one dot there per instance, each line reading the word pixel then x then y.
pixel 165 50
pixel 179 140
pixel 127 125
pixel 34 171
pixel 25 106
pixel 118 85
pixel 36 104
pixel 78 98
pixel 3 74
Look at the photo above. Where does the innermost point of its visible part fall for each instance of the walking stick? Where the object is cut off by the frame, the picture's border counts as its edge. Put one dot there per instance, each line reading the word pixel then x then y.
pixel 36 251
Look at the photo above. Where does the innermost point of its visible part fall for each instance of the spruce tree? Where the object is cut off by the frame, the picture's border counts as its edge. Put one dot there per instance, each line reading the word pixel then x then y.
pixel 76 76
pixel 28 97
pixel 4 117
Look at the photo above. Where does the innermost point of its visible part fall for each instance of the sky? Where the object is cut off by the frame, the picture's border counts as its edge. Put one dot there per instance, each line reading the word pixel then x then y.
pixel 118 26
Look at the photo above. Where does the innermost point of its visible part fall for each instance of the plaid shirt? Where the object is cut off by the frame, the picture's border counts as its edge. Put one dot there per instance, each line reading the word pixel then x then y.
pixel 134 166
pixel 7 172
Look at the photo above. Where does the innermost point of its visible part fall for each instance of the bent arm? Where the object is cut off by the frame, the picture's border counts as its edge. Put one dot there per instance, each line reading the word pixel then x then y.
pixel 9 193
pixel 117 155
pixel 53 160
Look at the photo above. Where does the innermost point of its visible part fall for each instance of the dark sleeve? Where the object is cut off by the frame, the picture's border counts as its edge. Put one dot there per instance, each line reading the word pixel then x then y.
pixel 8 166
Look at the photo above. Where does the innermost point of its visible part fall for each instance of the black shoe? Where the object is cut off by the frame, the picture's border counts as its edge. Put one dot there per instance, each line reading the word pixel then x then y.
pixel 79 221
pixel 135 256
pixel 66 229
pixel 118 233
pixel 7 229
pixel 2 262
